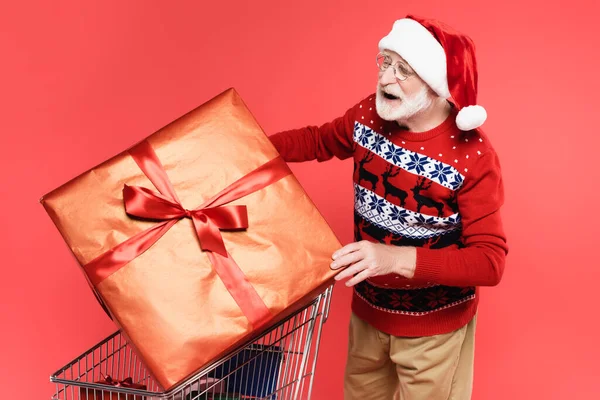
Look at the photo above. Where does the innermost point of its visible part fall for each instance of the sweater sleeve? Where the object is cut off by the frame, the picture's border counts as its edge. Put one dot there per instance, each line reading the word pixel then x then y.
pixel 481 261
pixel 319 143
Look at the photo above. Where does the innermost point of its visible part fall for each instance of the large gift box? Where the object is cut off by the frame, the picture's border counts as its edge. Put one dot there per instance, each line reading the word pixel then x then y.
pixel 195 239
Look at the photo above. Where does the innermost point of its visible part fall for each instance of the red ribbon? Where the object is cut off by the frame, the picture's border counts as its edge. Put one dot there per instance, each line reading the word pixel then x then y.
pixel 208 220
pixel 126 383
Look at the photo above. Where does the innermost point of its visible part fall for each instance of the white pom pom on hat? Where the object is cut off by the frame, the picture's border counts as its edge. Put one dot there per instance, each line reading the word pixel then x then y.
pixel 444 59
pixel 470 117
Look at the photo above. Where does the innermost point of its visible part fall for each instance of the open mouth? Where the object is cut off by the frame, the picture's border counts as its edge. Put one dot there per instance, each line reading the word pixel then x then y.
pixel 390 96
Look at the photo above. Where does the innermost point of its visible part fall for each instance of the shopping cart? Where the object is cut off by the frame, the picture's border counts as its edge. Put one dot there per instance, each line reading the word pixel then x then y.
pixel 278 365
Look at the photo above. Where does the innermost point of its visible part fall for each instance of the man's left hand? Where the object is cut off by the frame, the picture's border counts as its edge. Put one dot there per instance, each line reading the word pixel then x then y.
pixel 367 259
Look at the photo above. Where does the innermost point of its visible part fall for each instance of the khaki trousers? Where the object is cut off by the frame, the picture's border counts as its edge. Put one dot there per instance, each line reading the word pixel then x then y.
pixel 385 367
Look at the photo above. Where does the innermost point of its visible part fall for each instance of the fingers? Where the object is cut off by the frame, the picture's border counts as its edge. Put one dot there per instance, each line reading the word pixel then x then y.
pixel 359 278
pixel 347 249
pixel 350 271
pixel 347 259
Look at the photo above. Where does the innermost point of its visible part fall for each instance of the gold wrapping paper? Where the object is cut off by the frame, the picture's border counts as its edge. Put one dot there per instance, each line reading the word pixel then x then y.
pixel 168 301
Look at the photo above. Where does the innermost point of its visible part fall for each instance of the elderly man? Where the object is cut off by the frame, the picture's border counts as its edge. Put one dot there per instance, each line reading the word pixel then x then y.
pixel 427 225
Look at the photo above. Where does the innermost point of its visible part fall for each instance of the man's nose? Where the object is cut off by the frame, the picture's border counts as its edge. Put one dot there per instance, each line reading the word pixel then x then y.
pixel 387 77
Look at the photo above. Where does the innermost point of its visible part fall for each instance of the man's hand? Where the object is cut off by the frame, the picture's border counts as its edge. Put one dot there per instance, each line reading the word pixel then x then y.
pixel 368 259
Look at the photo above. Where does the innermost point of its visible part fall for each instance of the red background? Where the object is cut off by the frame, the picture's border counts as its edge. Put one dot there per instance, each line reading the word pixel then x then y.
pixel 81 81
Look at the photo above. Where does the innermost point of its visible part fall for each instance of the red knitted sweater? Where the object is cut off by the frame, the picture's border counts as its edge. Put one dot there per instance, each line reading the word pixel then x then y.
pixel 440 191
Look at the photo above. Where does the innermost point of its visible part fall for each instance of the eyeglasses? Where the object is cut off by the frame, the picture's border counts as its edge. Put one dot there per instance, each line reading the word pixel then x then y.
pixel 401 71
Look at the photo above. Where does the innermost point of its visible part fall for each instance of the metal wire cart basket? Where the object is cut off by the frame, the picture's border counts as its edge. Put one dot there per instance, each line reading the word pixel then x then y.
pixel 278 365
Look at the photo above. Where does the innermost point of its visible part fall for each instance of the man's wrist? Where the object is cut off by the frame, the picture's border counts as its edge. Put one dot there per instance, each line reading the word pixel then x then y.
pixel 406 262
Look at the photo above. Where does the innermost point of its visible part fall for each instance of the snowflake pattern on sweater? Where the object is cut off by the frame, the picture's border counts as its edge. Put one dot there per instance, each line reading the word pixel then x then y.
pixel 439 191
pixel 382 217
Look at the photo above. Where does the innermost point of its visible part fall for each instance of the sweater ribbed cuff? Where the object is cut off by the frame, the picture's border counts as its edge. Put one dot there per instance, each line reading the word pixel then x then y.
pixel 429 264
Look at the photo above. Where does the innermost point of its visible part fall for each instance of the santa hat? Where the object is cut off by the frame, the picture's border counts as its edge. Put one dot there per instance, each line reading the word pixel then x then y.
pixel 444 59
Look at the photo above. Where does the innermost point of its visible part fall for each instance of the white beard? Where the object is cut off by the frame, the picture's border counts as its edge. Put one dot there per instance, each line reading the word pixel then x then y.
pixel 403 109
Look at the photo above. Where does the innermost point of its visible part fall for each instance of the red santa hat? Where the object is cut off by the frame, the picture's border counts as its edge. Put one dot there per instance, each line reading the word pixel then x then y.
pixel 444 59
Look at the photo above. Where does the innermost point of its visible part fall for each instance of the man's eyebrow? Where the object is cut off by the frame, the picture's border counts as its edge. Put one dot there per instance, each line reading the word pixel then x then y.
pixel 401 60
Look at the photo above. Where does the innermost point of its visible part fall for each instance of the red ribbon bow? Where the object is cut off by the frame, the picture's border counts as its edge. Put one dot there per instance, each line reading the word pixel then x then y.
pixel 127 383
pixel 208 220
